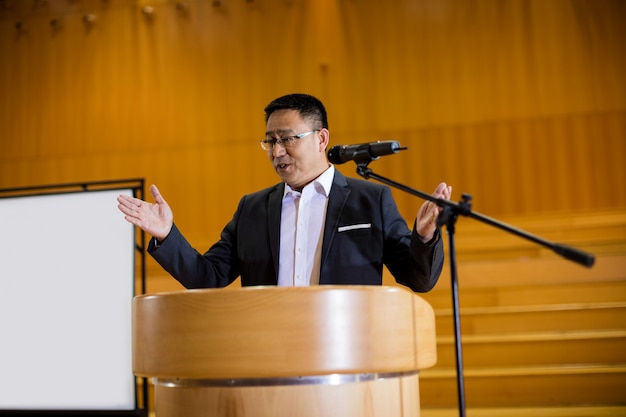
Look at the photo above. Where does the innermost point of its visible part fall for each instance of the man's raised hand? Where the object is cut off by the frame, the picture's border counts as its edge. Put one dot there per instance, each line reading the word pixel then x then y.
pixel 153 218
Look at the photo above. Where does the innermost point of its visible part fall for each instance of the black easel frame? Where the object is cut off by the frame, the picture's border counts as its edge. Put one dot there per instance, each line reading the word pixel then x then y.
pixel 137 186
pixel 448 217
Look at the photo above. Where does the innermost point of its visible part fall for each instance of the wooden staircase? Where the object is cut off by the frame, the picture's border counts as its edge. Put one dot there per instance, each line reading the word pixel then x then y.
pixel 540 335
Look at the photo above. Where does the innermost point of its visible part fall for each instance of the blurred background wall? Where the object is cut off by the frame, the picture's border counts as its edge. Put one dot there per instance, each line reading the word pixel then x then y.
pixel 521 103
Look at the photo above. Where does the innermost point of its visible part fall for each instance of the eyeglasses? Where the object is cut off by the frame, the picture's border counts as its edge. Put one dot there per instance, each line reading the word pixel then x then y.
pixel 287 141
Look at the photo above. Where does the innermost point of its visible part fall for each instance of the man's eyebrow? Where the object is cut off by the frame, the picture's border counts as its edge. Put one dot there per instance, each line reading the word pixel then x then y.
pixel 279 131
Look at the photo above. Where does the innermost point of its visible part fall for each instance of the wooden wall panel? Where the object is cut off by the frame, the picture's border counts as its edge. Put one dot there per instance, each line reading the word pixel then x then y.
pixel 520 103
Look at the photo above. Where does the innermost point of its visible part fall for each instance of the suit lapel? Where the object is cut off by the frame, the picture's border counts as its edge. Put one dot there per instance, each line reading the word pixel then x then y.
pixel 339 193
pixel 274 208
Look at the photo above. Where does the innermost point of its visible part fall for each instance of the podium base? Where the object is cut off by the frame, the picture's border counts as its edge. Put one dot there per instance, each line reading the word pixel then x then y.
pixel 372 395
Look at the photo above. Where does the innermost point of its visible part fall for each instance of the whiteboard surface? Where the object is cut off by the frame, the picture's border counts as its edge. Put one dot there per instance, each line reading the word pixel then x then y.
pixel 66 285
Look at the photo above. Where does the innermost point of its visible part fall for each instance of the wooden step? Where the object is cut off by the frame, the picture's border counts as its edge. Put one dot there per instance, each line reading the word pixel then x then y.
pixel 581 411
pixel 497 372
pixel 573 385
pixel 496 296
pixel 531 349
pixel 600 234
pixel 521 412
pixel 534 318
pixel 586 231
pixel 524 271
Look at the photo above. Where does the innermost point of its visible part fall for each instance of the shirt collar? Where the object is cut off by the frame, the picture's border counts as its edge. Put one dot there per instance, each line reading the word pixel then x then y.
pixel 322 184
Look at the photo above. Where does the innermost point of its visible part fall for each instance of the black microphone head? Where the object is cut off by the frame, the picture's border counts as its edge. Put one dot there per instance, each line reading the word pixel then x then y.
pixel 363 152
pixel 385 147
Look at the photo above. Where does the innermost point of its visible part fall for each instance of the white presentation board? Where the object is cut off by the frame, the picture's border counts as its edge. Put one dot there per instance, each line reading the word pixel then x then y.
pixel 66 286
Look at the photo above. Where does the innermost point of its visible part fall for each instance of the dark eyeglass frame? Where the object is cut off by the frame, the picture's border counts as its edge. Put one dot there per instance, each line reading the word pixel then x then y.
pixel 286 141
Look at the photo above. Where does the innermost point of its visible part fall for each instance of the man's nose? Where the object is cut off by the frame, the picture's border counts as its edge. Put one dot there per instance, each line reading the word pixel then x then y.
pixel 278 150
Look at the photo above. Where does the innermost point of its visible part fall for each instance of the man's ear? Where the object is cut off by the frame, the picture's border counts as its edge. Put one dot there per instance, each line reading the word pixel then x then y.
pixel 324 136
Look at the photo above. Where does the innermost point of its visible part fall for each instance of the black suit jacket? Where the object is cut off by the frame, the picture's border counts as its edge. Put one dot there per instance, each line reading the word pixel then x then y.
pixel 249 244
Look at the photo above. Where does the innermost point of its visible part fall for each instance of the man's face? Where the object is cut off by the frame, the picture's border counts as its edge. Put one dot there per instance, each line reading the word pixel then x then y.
pixel 304 159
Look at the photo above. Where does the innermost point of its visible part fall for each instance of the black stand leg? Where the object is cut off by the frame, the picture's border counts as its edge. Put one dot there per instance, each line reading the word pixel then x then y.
pixel 460 384
pixel 448 217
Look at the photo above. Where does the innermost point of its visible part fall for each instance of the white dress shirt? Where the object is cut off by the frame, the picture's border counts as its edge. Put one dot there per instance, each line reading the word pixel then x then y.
pixel 302 231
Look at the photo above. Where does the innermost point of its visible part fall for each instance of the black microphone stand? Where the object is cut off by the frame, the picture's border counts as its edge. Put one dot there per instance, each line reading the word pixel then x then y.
pixel 448 217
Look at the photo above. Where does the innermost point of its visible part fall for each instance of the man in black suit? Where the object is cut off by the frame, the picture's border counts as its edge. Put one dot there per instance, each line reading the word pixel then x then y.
pixel 315 227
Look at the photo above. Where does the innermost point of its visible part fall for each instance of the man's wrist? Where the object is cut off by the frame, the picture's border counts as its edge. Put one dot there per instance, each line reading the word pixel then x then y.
pixel 432 240
pixel 158 242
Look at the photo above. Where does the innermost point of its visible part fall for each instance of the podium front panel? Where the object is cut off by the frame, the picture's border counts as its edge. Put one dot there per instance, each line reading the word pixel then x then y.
pixel 270 351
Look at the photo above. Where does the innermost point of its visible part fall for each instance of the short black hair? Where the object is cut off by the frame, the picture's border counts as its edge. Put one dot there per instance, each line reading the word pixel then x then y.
pixel 306 105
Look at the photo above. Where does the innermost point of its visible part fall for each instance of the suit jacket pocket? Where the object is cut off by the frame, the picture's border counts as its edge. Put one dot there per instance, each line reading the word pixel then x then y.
pixel 359 228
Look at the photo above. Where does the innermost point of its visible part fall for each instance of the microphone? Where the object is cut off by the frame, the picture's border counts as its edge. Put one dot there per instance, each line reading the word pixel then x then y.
pixel 363 152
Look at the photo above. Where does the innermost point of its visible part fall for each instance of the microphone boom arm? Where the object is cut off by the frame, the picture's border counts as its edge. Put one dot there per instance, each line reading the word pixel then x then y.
pixel 464 208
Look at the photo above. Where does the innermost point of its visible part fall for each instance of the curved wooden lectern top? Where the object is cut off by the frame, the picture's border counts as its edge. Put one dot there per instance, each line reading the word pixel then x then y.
pixel 220 348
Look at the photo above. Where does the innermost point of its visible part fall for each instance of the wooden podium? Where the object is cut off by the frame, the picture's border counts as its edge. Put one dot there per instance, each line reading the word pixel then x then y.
pixel 348 351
